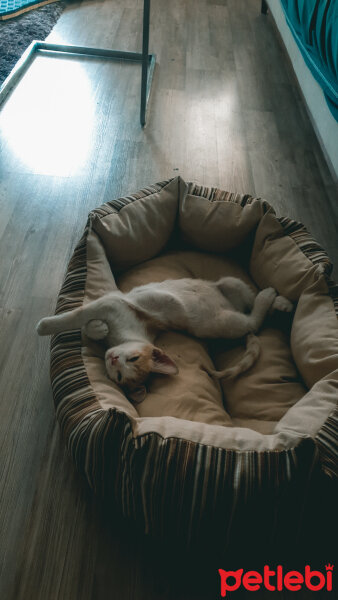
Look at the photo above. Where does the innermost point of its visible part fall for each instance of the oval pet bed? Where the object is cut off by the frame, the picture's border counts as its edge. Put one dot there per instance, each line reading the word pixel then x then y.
pixel 237 454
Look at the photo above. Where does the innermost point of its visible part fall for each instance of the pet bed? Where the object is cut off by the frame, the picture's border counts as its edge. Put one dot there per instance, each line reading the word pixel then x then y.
pixel 241 454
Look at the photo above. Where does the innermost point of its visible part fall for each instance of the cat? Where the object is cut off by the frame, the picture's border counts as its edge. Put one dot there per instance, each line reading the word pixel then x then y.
pixel 129 322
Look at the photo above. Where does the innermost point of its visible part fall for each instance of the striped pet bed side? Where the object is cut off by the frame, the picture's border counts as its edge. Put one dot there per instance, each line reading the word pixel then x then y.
pixel 171 486
pixel 305 242
pixel 76 405
pixel 77 408
pixel 214 194
pixel 327 437
pixel 327 442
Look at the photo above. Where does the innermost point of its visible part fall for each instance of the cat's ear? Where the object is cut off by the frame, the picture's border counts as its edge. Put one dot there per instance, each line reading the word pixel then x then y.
pixel 138 394
pixel 162 363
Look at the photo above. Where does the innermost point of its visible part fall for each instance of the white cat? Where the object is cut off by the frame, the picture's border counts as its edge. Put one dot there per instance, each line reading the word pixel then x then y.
pixel 227 308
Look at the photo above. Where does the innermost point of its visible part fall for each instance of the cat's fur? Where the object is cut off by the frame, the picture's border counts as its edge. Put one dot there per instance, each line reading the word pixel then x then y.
pixel 227 308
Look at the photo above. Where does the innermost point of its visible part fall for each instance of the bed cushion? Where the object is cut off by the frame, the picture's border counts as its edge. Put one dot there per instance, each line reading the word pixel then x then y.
pixel 192 395
pixel 151 219
pixel 218 226
pixel 270 387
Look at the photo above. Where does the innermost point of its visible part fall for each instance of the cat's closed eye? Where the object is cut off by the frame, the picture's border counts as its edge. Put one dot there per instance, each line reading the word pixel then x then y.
pixel 133 359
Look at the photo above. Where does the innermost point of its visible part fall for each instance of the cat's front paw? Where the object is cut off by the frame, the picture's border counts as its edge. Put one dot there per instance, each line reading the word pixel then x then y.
pixel 282 304
pixel 96 329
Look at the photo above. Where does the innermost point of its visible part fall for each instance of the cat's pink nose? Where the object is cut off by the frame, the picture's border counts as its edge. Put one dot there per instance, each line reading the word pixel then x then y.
pixel 113 359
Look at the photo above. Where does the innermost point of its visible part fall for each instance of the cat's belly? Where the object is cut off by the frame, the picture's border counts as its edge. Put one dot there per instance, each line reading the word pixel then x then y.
pixel 182 304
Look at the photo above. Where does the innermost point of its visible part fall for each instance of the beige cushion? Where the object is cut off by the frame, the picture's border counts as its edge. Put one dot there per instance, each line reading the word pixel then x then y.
pixel 100 279
pixel 140 229
pixel 314 337
pixel 190 395
pixel 270 387
pixel 108 393
pixel 175 265
pixel 217 226
pixel 277 261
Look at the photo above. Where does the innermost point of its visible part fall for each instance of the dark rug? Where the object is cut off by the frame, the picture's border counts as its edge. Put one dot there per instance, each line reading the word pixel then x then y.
pixel 17 34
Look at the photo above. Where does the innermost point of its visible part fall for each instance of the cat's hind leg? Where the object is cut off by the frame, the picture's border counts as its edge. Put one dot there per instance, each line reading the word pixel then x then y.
pixel 282 304
pixel 75 319
pixel 239 293
pixel 95 329
pixel 263 302
pixel 233 324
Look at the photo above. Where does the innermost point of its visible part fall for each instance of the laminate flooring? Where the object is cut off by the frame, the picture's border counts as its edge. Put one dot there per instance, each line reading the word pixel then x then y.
pixel 224 111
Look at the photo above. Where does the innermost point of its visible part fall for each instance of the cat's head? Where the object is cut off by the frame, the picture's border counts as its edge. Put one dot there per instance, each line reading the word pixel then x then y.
pixel 130 364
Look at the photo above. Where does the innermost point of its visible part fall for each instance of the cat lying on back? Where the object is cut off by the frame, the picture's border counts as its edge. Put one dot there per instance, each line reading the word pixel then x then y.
pixel 227 308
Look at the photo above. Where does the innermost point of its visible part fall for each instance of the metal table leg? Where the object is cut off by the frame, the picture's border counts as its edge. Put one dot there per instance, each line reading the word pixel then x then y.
pixel 264 7
pixel 147 61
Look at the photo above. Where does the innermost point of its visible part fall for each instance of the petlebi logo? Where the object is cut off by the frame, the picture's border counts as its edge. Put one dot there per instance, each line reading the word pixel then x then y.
pixel 276 580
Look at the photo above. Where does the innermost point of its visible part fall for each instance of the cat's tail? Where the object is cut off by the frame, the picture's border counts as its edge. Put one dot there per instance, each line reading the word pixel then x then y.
pixel 251 354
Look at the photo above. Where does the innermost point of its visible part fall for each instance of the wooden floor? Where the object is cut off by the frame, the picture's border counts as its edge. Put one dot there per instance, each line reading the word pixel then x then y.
pixel 224 111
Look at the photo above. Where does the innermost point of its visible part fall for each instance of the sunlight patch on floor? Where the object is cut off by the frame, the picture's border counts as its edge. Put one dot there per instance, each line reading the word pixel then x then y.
pixel 48 121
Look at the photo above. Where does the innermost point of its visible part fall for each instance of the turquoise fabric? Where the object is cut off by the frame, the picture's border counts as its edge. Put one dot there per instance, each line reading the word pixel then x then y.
pixel 13 8
pixel 314 24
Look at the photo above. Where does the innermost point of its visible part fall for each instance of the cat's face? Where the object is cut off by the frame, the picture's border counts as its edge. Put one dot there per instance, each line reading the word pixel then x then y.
pixel 130 364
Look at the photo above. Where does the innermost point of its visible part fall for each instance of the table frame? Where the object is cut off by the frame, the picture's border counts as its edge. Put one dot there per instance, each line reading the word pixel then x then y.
pixel 147 61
